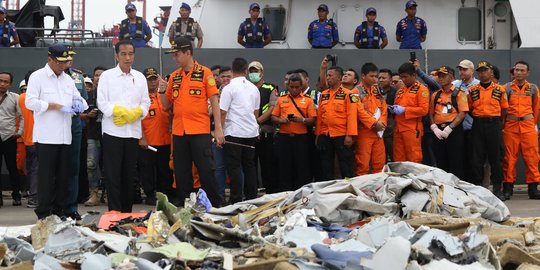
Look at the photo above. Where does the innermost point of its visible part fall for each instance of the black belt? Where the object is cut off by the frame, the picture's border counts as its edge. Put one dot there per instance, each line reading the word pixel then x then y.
pixel 523 118
pixel 487 118
pixel 292 135
pixel 443 125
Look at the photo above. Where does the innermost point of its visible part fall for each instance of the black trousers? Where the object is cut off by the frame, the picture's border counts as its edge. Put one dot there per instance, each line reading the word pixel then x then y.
pixel 294 161
pixel 449 152
pixel 315 168
pixel 428 155
pixel 8 151
pixel 120 158
pixel 265 155
pixel 240 159
pixel 83 169
pixel 487 141
pixel 331 146
pixel 154 172
pixel 188 149
pixel 53 175
pixel 468 152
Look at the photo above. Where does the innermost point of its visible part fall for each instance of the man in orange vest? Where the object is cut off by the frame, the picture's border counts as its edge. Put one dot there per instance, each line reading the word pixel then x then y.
pixel 189 90
pixel 369 143
pixel 336 125
pixel 446 113
pixel 521 131
pixel 488 105
pixel 154 172
pixel 411 104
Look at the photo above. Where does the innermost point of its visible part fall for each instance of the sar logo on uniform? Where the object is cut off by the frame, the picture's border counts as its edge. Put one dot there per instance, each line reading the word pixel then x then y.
pixel 211 81
pixel 175 93
pixel 425 94
pixel 355 98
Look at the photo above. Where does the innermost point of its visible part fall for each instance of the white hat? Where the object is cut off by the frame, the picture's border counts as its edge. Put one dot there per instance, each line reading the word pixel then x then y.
pixel 88 80
pixel 22 84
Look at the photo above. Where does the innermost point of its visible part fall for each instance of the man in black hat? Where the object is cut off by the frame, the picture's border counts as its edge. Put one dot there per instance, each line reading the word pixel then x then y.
pixel 190 88
pixel 488 105
pixel 185 26
pixel 54 99
pixel 254 32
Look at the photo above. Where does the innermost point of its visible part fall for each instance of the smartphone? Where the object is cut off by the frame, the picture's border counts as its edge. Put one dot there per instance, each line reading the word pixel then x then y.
pixel 412 56
pixel 290 116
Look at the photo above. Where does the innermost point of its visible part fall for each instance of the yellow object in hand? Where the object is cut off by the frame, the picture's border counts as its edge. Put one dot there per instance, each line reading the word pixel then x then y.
pixel 119 121
pixel 134 114
pixel 120 111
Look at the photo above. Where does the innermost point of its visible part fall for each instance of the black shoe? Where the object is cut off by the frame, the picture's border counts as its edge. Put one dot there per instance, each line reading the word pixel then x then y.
pixel 508 190
pixel 534 194
pixel 74 216
pixel 16 202
pixel 150 201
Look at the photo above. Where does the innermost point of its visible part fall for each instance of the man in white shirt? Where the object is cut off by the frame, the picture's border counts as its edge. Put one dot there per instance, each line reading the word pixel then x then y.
pixel 123 99
pixel 9 111
pixel 54 99
pixel 239 104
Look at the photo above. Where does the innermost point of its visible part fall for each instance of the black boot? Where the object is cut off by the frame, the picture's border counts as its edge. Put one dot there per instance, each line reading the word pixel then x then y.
pixel 508 190
pixel 497 192
pixel 534 194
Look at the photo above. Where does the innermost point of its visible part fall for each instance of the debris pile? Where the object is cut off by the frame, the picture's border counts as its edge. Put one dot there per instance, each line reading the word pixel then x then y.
pixel 409 217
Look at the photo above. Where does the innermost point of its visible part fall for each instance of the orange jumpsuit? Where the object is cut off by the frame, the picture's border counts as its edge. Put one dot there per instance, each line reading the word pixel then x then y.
pixel 520 133
pixel 409 127
pixel 369 146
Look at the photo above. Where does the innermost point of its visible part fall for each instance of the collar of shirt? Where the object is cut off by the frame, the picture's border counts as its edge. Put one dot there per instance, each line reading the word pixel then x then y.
pixel 526 83
pixel 452 87
pixel 119 72
pixel 51 73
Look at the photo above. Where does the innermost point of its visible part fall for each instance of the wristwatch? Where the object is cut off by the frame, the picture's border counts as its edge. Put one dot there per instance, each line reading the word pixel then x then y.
pixel 303 120
pixel 161 92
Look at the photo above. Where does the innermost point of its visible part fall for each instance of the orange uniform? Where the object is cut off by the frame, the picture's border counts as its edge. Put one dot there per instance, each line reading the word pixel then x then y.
pixel 520 132
pixel 189 94
pixel 439 110
pixel 28 117
pixel 372 108
pixel 156 124
pixel 487 102
pixel 409 128
pixel 284 107
pixel 337 113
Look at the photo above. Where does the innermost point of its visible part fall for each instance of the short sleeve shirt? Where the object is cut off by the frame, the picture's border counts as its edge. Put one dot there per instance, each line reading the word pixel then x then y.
pixel 189 93
pixel 369 33
pixel 284 107
pixel 411 32
pixel 439 108
pixel 322 34
pixel 12 33
pixel 242 32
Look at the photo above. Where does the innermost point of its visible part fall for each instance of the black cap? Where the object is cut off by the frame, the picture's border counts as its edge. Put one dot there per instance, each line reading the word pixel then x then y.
pixel 150 72
pixel 179 43
pixel 60 52
pixel 446 70
pixel 484 64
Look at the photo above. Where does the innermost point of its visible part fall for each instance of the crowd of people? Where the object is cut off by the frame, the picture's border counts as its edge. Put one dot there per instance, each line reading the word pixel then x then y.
pixel 199 127
pixel 120 131
pixel 254 32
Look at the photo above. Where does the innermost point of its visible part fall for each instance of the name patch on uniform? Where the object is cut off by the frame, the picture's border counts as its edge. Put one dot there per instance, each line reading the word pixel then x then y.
pixel 496 94
pixel 475 95
pixel 177 78
pixel 325 96
pixel 340 96
pixel 415 89
pixel 285 101
pixel 195 92
pixel 197 76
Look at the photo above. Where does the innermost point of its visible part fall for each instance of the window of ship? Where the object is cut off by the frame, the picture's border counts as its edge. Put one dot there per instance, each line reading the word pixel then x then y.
pixel 275 17
pixel 469 25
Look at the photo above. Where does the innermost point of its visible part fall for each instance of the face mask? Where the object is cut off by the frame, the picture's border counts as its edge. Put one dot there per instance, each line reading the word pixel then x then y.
pixel 254 77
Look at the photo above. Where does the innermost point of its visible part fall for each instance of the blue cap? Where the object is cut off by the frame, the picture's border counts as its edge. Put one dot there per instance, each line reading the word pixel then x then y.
pixel 186 6
pixel 371 10
pixel 411 3
pixel 130 6
pixel 3 10
pixel 254 5
pixel 60 52
pixel 323 7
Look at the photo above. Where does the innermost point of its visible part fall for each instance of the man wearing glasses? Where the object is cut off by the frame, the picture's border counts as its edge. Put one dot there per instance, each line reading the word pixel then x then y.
pixel 53 98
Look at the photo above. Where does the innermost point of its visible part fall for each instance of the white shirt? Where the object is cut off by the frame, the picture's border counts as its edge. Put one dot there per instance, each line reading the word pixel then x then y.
pixel 240 99
pixel 44 87
pixel 129 90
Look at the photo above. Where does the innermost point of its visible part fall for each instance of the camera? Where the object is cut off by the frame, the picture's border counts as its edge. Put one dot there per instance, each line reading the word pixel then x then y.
pixel 332 58
pixel 290 116
pixel 412 56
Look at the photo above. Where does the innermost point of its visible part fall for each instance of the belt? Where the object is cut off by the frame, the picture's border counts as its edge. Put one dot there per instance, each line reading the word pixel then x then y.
pixel 443 125
pixel 523 118
pixel 487 118
pixel 292 135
